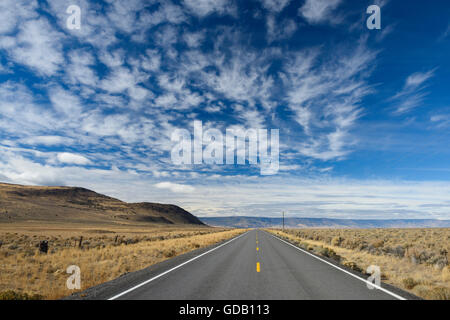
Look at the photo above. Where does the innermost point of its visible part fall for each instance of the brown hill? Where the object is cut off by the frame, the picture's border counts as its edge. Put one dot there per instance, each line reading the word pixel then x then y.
pixel 67 204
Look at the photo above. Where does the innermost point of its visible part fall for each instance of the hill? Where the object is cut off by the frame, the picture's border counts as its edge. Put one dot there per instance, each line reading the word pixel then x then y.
pixel 294 222
pixel 70 204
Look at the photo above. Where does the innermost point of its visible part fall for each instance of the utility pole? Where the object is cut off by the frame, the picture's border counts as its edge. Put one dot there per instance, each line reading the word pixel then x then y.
pixel 283 220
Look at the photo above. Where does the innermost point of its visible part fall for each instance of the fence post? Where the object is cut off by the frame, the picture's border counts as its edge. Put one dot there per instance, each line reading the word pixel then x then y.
pixel 43 246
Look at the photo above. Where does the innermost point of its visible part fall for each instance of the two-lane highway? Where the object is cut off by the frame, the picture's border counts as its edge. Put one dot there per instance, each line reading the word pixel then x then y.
pixel 255 266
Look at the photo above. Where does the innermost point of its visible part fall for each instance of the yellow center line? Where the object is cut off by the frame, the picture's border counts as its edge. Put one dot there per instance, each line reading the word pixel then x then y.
pixel 257 249
pixel 258 266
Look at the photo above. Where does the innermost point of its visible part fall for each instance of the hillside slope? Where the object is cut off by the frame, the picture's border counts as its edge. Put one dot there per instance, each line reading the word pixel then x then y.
pixel 68 204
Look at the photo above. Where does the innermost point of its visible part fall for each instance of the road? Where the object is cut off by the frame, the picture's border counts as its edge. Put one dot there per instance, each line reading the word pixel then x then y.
pixel 253 266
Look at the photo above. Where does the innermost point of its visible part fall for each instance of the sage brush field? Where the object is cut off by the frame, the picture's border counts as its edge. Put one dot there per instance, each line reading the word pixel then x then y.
pixel 101 254
pixel 415 260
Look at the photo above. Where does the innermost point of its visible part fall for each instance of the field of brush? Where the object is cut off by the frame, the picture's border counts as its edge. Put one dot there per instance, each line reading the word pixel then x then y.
pixel 102 253
pixel 415 260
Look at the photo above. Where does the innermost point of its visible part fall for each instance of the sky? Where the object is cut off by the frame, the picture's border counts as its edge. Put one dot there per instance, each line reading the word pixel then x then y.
pixel 363 114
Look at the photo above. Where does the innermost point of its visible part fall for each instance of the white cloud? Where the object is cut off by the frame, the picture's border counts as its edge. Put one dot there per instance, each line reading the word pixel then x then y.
pixel 326 98
pixel 275 5
pixel 290 167
pixel 139 93
pixel 15 166
pixel 175 187
pixel 281 30
pixel 101 125
pixel 121 79
pixel 13 12
pixel 242 78
pixel 123 14
pixel 445 34
pixel 20 115
pixel 235 195
pixel 80 71
pixel 96 29
pixel 152 61
pixel 203 8
pixel 333 198
pixel 166 37
pixel 37 46
pixel 386 30
pixel 72 158
pixel 65 102
pixel 166 12
pixel 194 39
pixel 413 92
pixel 252 118
pixel 441 120
pixel 112 59
pixel 177 95
pixel 213 108
pixel 417 79
pixel 5 69
pixel 319 11
pixel 47 140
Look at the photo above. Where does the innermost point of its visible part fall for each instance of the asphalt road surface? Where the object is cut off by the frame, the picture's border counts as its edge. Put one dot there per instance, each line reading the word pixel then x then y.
pixel 253 266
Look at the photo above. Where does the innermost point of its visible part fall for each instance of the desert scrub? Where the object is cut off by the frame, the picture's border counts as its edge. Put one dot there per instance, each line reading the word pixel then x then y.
pixel 413 259
pixel 13 295
pixel 438 293
pixel 330 253
pixel 19 244
pixel 421 246
pixel 446 274
pixel 45 275
pixel 353 266
pixel 409 283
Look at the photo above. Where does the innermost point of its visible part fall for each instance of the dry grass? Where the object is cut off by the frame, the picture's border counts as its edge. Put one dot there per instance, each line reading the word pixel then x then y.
pixel 106 253
pixel 415 260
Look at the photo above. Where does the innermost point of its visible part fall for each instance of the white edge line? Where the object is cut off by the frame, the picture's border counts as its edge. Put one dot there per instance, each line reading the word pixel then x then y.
pixel 174 268
pixel 343 270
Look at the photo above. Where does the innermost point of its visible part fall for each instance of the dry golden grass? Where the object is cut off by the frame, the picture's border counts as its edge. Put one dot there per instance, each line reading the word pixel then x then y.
pixel 412 259
pixel 106 253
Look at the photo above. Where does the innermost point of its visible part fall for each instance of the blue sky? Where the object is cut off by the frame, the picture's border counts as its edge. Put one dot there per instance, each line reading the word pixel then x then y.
pixel 364 115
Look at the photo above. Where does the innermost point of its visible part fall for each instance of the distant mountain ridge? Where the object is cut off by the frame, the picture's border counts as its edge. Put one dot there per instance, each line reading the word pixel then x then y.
pixel 72 204
pixel 296 222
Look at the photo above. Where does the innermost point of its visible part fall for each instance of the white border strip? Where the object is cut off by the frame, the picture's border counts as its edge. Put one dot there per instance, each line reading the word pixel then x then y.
pixel 343 270
pixel 174 268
